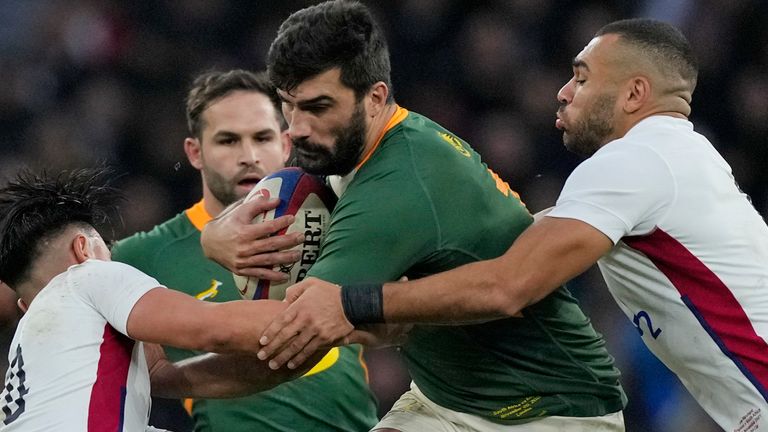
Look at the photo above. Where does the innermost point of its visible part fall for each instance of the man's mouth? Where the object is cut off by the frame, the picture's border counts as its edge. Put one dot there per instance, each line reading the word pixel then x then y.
pixel 559 122
pixel 249 182
pixel 305 150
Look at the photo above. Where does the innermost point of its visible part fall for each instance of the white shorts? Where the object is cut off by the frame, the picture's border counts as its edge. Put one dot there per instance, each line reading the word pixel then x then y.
pixel 413 412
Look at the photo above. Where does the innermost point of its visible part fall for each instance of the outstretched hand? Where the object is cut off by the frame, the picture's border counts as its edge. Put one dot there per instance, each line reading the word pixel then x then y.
pixel 250 249
pixel 315 319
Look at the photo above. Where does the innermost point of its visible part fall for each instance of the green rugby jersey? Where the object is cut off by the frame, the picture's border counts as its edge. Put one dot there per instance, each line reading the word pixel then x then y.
pixel 423 202
pixel 333 396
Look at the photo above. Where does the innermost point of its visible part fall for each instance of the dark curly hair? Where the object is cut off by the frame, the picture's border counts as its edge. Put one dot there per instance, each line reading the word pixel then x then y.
pixel 333 34
pixel 35 207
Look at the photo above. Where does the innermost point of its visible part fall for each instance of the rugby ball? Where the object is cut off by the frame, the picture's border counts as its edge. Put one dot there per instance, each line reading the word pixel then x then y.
pixel 311 201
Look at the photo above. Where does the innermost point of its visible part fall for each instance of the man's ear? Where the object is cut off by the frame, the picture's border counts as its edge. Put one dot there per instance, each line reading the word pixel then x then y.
pixel 81 248
pixel 637 94
pixel 22 305
pixel 376 99
pixel 194 150
pixel 285 139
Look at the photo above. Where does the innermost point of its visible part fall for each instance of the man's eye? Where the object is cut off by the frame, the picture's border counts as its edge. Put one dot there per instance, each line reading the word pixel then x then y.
pixel 227 141
pixel 580 81
pixel 317 109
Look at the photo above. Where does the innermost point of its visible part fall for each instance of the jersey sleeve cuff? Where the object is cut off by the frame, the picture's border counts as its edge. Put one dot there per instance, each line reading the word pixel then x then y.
pixel 599 218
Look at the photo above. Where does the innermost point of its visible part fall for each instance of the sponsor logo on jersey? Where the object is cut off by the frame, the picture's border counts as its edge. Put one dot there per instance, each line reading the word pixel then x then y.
pixel 211 292
pixel 455 142
pixel 313 236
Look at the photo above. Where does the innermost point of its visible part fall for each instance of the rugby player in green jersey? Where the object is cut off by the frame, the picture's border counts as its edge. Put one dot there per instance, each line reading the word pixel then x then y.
pixel 236 138
pixel 414 200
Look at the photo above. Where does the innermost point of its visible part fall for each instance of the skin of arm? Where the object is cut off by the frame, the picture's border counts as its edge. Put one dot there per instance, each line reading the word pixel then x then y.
pixel 168 317
pixel 546 255
pixel 211 376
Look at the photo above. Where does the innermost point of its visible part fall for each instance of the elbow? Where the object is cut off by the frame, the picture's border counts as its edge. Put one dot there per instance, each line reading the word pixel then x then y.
pixel 509 304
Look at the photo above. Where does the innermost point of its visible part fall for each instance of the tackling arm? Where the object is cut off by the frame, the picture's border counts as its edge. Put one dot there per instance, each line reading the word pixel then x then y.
pixel 172 318
pixel 211 376
pixel 546 255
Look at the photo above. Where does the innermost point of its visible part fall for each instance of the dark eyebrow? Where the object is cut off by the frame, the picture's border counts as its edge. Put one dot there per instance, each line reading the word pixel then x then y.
pixel 316 100
pixel 225 134
pixel 264 132
pixel 577 63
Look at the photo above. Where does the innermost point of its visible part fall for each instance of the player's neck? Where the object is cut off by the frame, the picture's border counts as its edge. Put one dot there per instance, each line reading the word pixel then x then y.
pixel 211 205
pixel 48 266
pixel 377 125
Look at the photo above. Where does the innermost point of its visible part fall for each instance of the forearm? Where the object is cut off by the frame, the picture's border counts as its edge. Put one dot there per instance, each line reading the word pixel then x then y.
pixel 243 323
pixel 546 255
pixel 172 318
pixel 474 292
pixel 214 376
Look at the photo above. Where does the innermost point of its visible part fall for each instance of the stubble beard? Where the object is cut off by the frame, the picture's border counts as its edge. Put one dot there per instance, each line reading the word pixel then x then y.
pixel 592 131
pixel 224 190
pixel 344 156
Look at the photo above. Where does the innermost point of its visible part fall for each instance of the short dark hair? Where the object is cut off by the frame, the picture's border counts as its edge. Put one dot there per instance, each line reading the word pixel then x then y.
pixel 337 33
pixel 665 45
pixel 35 207
pixel 211 86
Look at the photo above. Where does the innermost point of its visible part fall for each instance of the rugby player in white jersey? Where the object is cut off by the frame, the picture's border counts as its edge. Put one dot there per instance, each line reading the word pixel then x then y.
pixel 681 248
pixel 76 360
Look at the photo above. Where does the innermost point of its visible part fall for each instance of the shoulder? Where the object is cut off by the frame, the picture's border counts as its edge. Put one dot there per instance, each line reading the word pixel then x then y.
pixel 430 139
pixel 622 168
pixel 624 157
pixel 418 149
pixel 99 269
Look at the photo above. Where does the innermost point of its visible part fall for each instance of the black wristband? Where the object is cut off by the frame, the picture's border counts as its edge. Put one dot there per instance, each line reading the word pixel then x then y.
pixel 363 303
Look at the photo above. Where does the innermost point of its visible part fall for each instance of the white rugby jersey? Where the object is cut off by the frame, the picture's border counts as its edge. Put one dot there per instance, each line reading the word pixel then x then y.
pixel 72 367
pixel 689 264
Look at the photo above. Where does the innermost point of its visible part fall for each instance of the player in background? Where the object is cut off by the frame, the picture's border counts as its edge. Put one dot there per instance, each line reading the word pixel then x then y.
pixel 77 361
pixel 681 248
pixel 414 200
pixel 236 138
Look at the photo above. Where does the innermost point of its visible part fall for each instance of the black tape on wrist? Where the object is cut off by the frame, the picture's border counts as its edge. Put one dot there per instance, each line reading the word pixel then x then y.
pixel 363 303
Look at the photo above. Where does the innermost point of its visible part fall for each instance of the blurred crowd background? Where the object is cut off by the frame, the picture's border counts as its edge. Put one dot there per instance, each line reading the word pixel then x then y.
pixel 89 81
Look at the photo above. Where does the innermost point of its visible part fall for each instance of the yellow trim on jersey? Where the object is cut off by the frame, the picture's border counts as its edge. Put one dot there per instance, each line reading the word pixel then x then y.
pixel 399 115
pixel 198 215
pixel 503 186
pixel 326 362
pixel 363 364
